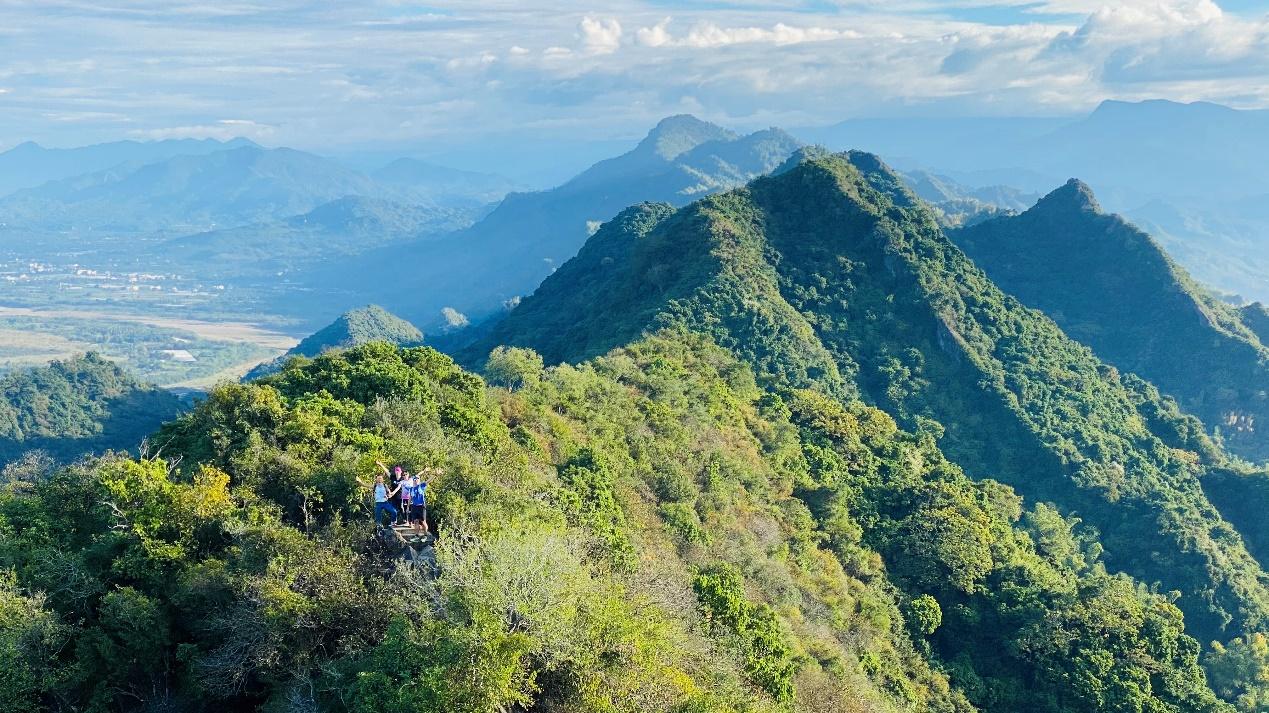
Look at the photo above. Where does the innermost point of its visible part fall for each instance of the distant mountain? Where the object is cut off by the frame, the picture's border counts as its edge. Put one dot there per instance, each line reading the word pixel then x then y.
pixel 833 276
pixel 359 326
pixel 1193 174
pixel 1110 286
pixel 82 405
pixel 1161 148
pixel 342 227
pixel 452 187
pixel 28 165
pixel 507 254
pixel 188 193
pixel 1220 242
pixel 958 205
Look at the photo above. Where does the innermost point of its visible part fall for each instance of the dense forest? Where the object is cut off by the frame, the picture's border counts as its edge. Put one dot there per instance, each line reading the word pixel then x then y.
pixel 647 530
pixel 1110 286
pixel 75 406
pixel 783 449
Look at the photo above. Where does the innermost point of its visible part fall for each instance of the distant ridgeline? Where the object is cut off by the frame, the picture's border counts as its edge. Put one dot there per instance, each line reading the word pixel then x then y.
pixel 832 276
pixel 509 252
pixel 359 326
pixel 81 405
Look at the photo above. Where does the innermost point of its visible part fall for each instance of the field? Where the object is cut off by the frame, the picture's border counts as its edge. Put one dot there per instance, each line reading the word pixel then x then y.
pixel 180 353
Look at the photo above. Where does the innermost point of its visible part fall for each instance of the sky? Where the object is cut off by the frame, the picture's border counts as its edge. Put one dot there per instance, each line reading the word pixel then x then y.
pixel 377 73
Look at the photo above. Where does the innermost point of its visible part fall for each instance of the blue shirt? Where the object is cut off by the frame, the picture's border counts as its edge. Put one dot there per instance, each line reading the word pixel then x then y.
pixel 381 493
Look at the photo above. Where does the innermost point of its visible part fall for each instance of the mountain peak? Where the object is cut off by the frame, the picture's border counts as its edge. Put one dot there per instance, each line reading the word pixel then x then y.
pixel 371 323
pixel 1074 195
pixel 364 324
pixel 682 132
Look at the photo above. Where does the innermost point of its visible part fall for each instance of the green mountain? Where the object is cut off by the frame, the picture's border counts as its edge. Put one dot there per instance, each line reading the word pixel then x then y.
pixel 509 252
pixel 1110 286
pixel 832 276
pixel 650 530
pixel 78 406
pixel 359 326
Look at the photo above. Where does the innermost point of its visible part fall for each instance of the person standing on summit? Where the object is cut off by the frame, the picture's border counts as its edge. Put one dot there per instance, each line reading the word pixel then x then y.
pixel 418 508
pixel 382 495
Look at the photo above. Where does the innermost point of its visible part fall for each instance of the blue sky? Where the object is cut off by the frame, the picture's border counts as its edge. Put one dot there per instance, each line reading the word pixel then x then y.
pixel 327 75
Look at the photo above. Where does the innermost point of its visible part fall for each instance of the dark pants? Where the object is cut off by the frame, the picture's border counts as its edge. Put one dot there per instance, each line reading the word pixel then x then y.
pixel 381 508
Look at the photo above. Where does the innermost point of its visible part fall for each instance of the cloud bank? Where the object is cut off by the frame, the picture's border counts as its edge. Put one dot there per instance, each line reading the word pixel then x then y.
pixel 316 74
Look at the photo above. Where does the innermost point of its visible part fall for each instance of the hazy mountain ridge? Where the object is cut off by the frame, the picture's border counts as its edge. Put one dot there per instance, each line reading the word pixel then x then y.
pixel 345 226
pixel 506 254
pixel 28 164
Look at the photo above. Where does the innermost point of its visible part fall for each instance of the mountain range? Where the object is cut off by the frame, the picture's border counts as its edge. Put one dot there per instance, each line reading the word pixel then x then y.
pixel 506 254
pixel 1191 173
pixel 778 430
pixel 28 165
pixel 832 275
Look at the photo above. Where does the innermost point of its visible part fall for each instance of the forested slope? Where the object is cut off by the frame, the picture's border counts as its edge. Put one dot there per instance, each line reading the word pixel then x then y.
pixel 1110 286
pixel 859 271
pixel 81 405
pixel 650 530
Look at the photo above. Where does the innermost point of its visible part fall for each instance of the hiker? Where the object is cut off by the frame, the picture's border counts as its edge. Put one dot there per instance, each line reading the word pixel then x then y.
pixel 419 497
pixel 408 485
pixel 383 499
pixel 397 474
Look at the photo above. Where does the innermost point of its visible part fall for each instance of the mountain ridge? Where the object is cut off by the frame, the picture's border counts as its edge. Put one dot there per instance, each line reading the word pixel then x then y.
pixel 834 237
pixel 1111 286
pixel 502 257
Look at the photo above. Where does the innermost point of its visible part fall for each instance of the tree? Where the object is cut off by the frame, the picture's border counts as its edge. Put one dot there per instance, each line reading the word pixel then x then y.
pixel 513 368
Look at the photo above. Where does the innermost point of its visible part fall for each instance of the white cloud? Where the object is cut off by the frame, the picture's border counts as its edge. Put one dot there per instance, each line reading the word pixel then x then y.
pixel 655 36
pixel 709 34
pixel 379 71
pixel 600 35
pixel 222 130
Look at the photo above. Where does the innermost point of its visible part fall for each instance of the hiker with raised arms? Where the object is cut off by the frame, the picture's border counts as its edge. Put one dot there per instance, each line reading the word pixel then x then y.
pixel 383 494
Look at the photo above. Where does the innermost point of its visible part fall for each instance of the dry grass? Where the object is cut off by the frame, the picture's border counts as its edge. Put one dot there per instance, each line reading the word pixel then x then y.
pixel 215 331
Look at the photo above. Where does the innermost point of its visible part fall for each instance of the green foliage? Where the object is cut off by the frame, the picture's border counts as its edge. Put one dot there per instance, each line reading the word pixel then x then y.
pixel 81 405
pixel 1239 672
pixel 925 614
pixel 767 658
pixel 513 368
pixel 30 637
